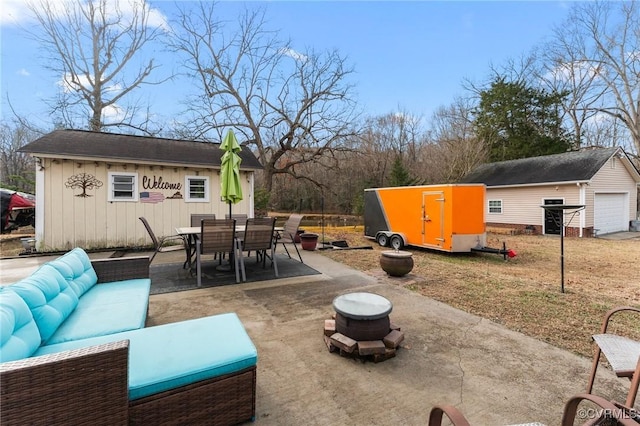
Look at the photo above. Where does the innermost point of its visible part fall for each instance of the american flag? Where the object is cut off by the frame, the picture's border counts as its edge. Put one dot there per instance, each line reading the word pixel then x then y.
pixel 151 197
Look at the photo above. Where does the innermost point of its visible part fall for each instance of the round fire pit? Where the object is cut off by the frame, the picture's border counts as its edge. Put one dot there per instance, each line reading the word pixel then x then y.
pixel 362 316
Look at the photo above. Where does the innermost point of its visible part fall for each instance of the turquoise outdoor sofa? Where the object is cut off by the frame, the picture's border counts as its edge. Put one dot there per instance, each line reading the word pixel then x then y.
pixel 74 350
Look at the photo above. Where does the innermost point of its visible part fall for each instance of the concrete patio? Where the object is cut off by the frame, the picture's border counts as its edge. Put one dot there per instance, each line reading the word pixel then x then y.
pixel 494 375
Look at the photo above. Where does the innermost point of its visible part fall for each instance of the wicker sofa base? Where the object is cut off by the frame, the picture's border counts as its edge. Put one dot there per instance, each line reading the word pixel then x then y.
pixel 223 400
pixel 89 387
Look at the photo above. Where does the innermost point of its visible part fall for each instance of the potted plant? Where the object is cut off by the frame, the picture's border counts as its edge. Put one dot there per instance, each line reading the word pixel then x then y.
pixel 309 241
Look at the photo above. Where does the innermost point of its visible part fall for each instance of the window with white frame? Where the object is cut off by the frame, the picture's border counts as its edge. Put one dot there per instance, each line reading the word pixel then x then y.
pixel 197 189
pixel 123 186
pixel 495 206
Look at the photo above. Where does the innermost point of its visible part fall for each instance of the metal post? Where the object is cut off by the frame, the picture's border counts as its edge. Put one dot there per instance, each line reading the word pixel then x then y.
pixel 322 210
pixel 562 256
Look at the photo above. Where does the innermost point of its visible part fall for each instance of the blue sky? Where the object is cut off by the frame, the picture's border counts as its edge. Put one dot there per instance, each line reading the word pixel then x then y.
pixel 411 55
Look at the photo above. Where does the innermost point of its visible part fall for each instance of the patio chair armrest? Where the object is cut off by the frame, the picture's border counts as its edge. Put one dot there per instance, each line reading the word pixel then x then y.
pixel 82 386
pixel 120 269
pixel 612 312
pixel 454 415
pixel 605 410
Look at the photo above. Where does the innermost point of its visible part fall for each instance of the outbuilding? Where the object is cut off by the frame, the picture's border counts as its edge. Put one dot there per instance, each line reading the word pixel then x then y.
pixel 604 180
pixel 92 187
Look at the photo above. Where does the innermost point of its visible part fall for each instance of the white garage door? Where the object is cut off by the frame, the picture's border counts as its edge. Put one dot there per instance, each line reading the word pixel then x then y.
pixel 611 213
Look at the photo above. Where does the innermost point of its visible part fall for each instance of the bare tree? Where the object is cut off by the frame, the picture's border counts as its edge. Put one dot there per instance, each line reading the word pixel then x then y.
pixel 292 107
pixel 385 139
pixel 17 169
pixel 456 149
pixel 602 40
pixel 96 47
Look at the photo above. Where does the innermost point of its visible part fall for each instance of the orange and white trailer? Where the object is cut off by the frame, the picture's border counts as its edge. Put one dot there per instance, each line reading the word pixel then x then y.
pixel 450 218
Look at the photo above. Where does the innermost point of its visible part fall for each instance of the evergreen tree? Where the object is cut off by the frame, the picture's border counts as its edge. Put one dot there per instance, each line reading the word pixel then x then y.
pixel 399 175
pixel 517 121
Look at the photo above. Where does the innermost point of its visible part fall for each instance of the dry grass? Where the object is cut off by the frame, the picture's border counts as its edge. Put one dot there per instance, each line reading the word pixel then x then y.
pixel 10 244
pixel 523 293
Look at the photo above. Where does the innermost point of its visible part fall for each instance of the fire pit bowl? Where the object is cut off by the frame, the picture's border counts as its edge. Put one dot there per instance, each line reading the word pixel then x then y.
pixel 361 328
pixel 362 316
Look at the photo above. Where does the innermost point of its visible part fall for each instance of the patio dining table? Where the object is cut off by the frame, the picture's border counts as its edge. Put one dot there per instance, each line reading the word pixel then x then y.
pixel 191 233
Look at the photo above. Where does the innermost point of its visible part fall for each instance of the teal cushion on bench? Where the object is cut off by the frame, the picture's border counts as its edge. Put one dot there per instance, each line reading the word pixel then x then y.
pixel 49 298
pixel 107 308
pixel 75 267
pixel 19 335
pixel 177 354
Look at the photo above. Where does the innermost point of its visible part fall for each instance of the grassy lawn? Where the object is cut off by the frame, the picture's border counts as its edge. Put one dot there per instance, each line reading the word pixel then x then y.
pixel 522 293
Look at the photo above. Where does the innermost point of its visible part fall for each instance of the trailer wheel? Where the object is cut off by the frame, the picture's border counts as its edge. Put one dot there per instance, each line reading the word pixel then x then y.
pixel 396 242
pixel 383 240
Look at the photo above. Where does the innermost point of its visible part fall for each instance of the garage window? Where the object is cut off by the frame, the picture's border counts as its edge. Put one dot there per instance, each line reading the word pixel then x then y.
pixel 495 206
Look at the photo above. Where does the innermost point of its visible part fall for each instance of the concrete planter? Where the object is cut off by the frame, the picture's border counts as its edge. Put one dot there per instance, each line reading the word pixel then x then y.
pixel 396 263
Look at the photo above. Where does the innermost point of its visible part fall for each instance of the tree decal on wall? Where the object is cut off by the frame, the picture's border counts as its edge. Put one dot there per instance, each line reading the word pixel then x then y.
pixel 84 181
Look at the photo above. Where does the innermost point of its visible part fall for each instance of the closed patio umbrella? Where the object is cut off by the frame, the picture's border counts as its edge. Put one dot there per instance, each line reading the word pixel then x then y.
pixel 230 187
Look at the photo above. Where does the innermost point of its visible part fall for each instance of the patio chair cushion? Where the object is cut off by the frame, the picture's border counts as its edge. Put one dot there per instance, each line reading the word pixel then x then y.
pixel 75 267
pixel 107 308
pixel 49 297
pixel 19 335
pixel 168 356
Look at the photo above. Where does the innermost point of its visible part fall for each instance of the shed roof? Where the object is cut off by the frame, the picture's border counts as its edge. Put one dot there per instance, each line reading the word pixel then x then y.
pixel 576 166
pixel 83 144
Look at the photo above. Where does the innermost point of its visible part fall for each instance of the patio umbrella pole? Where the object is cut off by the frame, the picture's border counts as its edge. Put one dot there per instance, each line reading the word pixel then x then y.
pixel 230 186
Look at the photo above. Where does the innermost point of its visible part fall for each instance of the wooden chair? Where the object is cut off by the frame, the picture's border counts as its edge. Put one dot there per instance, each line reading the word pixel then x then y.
pixel 217 236
pixel 622 353
pixel 239 217
pixel 197 218
pixel 608 413
pixel 259 237
pixel 159 244
pixel 288 235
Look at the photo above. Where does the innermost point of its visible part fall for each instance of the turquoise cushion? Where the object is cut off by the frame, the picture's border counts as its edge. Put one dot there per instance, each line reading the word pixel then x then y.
pixel 19 335
pixel 49 298
pixel 107 308
pixel 177 354
pixel 75 267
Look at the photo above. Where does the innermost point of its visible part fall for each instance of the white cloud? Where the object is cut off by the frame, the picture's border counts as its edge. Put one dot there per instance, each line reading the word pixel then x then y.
pixel 23 72
pixel 68 85
pixel 576 69
pixel 287 51
pixel 17 12
pixel 113 113
pixel 13 12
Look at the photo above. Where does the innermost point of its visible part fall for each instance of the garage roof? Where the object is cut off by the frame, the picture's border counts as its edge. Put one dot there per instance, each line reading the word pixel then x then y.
pixel 83 144
pixel 576 166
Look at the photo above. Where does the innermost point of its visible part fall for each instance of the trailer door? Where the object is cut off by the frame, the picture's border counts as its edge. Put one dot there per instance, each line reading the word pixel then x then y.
pixel 433 218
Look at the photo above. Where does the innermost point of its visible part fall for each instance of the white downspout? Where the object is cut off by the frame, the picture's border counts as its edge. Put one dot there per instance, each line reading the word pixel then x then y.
pixel 40 192
pixel 583 214
pixel 251 180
